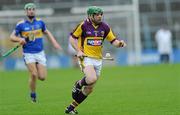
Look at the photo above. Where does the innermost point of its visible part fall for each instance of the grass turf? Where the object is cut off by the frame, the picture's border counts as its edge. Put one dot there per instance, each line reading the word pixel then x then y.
pixel 140 90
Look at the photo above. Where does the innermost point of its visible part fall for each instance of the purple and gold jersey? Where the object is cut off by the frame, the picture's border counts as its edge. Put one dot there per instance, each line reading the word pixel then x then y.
pixel 34 32
pixel 90 38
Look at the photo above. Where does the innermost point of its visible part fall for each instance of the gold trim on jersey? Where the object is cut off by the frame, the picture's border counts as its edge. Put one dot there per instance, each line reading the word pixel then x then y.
pixel 95 26
pixel 32 35
pixel 38 19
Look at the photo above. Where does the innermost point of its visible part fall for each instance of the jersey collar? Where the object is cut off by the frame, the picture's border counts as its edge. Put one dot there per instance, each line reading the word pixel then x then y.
pixel 27 20
pixel 90 22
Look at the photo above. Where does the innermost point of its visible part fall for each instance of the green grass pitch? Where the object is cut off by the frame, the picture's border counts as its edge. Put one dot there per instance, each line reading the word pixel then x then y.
pixel 140 90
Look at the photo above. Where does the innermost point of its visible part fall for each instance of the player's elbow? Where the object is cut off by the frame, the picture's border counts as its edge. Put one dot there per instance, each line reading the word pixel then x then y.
pixel 12 38
pixel 71 39
pixel 46 31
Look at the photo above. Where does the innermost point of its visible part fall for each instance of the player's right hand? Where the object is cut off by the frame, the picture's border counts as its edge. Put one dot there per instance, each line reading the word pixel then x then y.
pixel 80 54
pixel 22 41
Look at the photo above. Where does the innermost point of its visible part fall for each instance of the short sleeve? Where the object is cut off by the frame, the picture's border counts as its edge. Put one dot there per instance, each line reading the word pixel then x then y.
pixel 17 30
pixel 77 31
pixel 110 36
pixel 43 26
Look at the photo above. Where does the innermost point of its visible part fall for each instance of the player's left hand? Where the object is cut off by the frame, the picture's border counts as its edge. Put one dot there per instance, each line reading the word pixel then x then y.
pixel 122 43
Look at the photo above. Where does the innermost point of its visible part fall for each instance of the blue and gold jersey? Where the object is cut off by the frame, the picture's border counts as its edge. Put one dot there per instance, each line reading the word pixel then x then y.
pixel 33 31
pixel 90 37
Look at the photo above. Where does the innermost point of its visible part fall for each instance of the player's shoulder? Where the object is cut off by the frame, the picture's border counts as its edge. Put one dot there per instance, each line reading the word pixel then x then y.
pixel 87 21
pixel 81 23
pixel 20 22
pixel 105 24
pixel 39 19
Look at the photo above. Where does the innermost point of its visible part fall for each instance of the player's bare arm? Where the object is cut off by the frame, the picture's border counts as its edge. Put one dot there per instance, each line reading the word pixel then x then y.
pixel 14 38
pixel 53 40
pixel 119 43
pixel 75 46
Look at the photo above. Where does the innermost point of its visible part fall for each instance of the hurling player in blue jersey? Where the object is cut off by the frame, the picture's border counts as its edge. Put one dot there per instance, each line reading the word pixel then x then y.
pixel 90 34
pixel 29 33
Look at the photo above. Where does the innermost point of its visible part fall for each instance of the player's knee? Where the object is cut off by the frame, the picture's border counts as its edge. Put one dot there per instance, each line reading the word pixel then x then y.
pixel 92 80
pixel 41 76
pixel 34 75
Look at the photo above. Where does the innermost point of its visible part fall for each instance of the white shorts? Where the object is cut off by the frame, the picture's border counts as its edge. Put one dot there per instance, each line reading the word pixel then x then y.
pixel 97 63
pixel 35 58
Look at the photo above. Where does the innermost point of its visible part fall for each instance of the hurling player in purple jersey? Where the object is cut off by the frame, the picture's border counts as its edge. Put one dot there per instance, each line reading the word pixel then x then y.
pixel 29 33
pixel 90 34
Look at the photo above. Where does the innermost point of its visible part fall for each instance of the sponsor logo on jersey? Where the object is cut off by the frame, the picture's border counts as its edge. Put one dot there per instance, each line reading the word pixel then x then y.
pixel 26 28
pixel 94 42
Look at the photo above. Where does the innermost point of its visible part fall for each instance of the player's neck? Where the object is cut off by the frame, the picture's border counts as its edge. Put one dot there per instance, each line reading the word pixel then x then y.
pixel 95 25
pixel 30 19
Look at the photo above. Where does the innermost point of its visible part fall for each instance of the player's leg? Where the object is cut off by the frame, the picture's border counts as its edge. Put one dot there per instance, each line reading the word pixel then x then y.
pixel 83 94
pixel 41 65
pixel 32 79
pixel 88 68
pixel 92 71
pixel 42 71
pixel 161 58
pixel 36 65
pixel 90 78
pixel 92 74
pixel 80 95
pixel 167 58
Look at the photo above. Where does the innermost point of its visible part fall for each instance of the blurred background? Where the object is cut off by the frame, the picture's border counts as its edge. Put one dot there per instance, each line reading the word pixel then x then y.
pixel 135 21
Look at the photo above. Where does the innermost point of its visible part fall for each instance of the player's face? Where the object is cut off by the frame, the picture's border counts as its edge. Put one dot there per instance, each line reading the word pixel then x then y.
pixel 97 18
pixel 30 12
